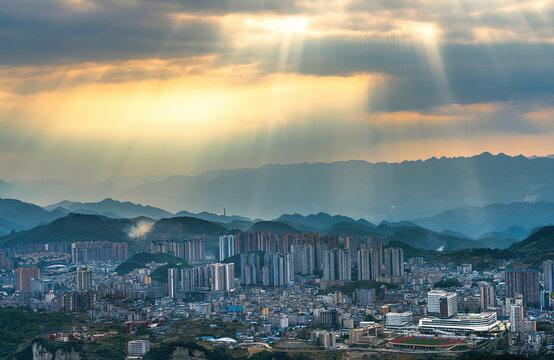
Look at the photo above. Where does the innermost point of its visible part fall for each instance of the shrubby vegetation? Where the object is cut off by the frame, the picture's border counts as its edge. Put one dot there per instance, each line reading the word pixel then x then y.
pixel 21 325
pixel 141 259
pixel 447 283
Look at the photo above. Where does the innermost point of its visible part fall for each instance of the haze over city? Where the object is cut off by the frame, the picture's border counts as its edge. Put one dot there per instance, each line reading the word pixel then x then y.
pixel 276 179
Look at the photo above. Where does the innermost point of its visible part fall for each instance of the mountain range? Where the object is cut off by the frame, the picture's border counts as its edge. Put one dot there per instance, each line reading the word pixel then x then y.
pixel 110 208
pixel 138 231
pixel 358 189
pixel 16 215
pixel 514 220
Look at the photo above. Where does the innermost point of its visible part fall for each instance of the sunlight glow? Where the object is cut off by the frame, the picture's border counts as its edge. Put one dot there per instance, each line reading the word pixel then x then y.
pixel 285 25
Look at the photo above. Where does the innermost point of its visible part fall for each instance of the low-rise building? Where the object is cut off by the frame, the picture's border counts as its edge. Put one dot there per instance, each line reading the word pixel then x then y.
pixel 366 334
pixel 462 323
pixel 138 347
pixel 398 320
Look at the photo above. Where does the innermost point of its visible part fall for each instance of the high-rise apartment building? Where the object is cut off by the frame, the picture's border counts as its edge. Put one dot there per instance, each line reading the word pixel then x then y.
pixel 172 282
pixel 120 251
pixel 524 282
pixel 369 264
pixel 84 279
pixel 226 246
pixel 487 299
pixel 23 276
pixel 222 276
pixel 517 318
pixel 195 278
pixel 394 262
pixel 337 265
pixel 190 250
pixel 364 297
pixel 250 268
pixel 83 252
pixel 278 269
pixel 349 243
pixel 78 300
pixel 374 242
pixel 304 258
pixel 548 274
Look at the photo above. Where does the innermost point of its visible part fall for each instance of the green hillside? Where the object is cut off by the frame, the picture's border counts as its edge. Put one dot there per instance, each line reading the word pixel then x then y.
pixel 537 247
pixel 141 259
pixel 481 259
pixel 427 239
pixel 352 229
pixel 73 227
pixel 275 226
pixel 410 251
pixel 187 226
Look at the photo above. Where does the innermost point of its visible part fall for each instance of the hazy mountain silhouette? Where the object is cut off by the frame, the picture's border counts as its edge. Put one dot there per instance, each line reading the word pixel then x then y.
pixel 320 221
pixel 392 191
pixel 357 189
pixel 112 208
pixel 513 220
pixel 213 217
pixel 17 215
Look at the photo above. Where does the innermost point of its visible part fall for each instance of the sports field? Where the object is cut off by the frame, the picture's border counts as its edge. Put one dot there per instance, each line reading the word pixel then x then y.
pixel 423 341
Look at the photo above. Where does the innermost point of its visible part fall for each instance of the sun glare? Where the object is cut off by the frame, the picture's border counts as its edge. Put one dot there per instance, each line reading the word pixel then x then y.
pixel 288 25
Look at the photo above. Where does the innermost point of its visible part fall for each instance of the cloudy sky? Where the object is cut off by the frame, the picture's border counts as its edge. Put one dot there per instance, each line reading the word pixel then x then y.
pixel 94 89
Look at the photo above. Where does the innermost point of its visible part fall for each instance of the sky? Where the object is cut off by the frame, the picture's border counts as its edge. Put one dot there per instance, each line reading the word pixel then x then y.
pixel 96 89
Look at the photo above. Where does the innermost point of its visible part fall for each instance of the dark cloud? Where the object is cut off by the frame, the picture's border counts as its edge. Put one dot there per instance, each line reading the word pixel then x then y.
pixel 474 73
pixel 47 31
pixel 222 7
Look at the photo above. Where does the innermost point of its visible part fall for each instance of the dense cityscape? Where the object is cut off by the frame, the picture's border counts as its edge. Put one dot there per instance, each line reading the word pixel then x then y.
pixel 292 293
pixel 276 179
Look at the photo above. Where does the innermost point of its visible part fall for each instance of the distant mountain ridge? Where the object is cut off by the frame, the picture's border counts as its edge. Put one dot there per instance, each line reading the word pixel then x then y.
pixel 356 189
pixel 17 215
pixel 526 254
pixel 512 220
pixel 213 217
pixel 320 220
pixel 112 208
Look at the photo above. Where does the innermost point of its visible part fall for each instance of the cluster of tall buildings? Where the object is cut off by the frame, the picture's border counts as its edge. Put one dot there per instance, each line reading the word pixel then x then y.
pixel 304 258
pixel 214 277
pixel 394 262
pixel 244 242
pixel 250 268
pixel 374 261
pixel 306 254
pixel 83 252
pixel 278 269
pixel 337 265
pixel 192 250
